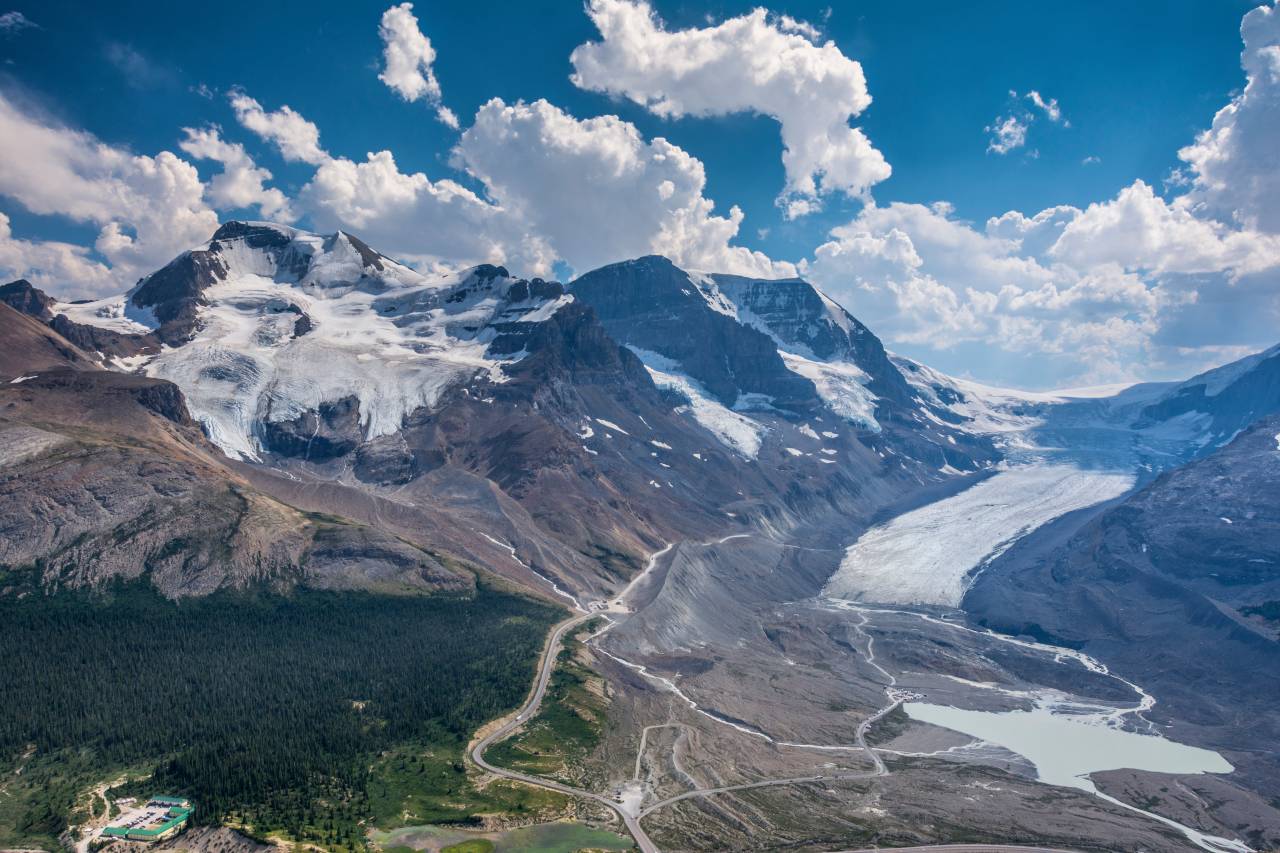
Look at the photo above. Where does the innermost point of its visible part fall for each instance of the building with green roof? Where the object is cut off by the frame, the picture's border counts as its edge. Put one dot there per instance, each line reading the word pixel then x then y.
pixel 173 813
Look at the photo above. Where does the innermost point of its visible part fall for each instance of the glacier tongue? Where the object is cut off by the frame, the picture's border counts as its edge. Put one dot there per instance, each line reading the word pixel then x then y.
pixel 928 555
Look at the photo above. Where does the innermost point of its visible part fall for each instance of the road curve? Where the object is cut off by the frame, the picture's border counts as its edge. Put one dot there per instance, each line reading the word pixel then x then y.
pixel 527 711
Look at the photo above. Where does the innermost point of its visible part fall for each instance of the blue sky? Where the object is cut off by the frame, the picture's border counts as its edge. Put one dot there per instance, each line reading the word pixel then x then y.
pixel 1134 83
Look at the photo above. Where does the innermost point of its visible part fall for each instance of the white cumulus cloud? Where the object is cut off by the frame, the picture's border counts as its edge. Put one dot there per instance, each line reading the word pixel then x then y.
pixel 147 209
pixel 1139 230
pixel 1007 133
pixel 1235 164
pixel 409 215
pixel 1110 291
pixel 1049 107
pixel 241 183
pixel 1009 130
pixel 297 138
pixel 748 64
pixel 407 57
pixel 923 278
pixel 62 268
pixel 598 192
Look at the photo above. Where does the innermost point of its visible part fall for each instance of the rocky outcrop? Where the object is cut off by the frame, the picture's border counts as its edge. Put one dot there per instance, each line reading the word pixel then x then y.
pixel 327 433
pixel 175 292
pixel 386 461
pixel 23 297
pixel 104 342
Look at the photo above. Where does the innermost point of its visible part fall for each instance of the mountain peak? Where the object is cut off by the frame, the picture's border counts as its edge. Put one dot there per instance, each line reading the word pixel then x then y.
pixel 268 233
pixel 24 297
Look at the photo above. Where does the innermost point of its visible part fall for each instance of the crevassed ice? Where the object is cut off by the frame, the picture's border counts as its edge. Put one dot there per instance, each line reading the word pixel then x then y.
pixel 926 556
pixel 244 366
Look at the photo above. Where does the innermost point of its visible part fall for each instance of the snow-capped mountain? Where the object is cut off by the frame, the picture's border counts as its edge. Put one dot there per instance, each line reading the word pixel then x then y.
pixel 653 305
pixel 776 348
pixel 576 427
pixel 244 323
pixel 278 322
pixel 1161 423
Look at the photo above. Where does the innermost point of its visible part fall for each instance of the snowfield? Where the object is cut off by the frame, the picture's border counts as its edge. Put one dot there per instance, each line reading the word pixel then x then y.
pixel 115 313
pixel 245 365
pixel 737 432
pixel 927 556
pixel 841 385
pixel 390 337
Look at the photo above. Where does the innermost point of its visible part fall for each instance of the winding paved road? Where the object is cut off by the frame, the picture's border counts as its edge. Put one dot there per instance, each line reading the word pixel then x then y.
pixel 526 712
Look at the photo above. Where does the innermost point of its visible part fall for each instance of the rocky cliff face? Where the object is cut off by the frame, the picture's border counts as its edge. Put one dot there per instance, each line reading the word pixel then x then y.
pixel 800 316
pixel 23 297
pixel 652 304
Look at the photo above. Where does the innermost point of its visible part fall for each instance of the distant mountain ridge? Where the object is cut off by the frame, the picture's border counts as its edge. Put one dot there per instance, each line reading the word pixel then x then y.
pixel 1224 401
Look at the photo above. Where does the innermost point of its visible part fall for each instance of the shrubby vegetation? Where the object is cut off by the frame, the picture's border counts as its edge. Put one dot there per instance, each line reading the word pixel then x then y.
pixel 276 712
pixel 567 728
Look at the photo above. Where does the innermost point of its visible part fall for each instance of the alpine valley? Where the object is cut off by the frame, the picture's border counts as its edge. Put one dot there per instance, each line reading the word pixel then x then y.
pixel 354 556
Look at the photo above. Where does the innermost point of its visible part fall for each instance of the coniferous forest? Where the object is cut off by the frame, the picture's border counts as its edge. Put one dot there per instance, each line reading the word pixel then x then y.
pixel 260 707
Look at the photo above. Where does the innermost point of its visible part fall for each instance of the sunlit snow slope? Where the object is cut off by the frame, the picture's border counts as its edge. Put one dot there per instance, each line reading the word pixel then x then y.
pixel 289 326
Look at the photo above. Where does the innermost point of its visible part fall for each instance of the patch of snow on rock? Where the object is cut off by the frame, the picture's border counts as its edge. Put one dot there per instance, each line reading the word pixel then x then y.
pixel 841 385
pixel 611 425
pixel 710 292
pixel 115 313
pixel 737 432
